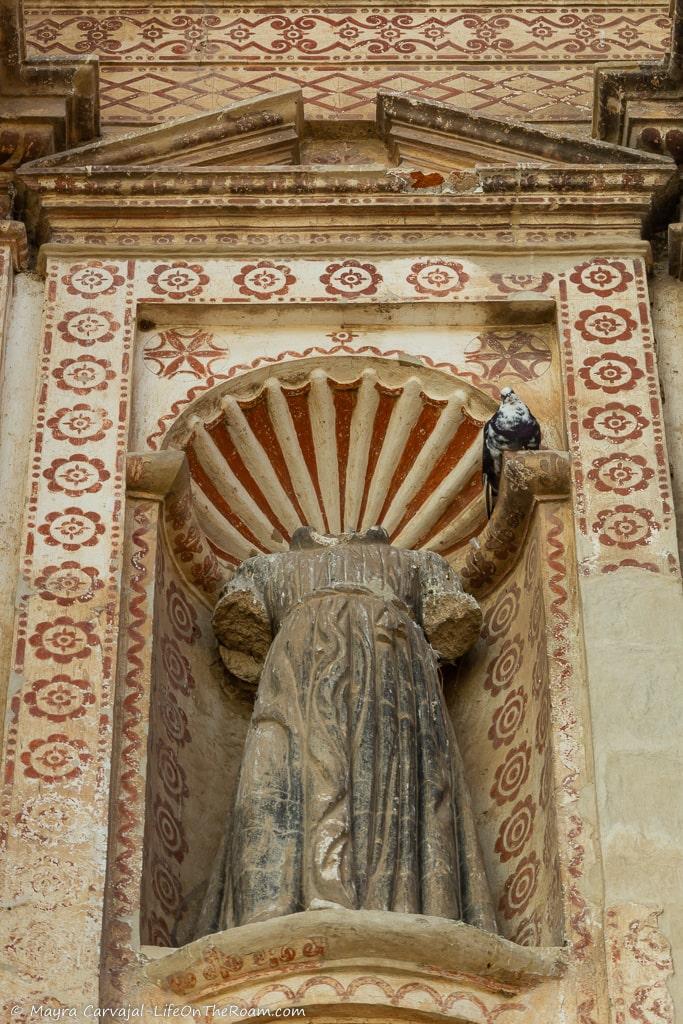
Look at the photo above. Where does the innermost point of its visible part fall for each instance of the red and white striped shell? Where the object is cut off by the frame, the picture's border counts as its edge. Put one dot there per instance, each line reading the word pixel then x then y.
pixel 344 445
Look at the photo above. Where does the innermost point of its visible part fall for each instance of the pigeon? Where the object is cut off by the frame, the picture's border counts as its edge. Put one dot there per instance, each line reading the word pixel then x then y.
pixel 512 428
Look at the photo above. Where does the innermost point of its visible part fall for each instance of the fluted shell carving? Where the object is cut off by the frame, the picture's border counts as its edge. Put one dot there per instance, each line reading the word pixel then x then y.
pixel 338 449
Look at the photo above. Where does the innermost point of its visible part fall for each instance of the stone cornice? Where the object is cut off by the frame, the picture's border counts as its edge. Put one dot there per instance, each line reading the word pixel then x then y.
pixel 115 203
pixel 456 170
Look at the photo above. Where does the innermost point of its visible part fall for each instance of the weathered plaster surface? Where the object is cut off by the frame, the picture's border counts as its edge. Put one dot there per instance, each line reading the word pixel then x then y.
pixel 168 287
pixel 531 63
pixel 56 794
pixel 16 428
pixel 667 312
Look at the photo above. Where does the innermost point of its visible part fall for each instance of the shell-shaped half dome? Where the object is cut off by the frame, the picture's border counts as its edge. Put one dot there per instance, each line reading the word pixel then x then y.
pixel 336 444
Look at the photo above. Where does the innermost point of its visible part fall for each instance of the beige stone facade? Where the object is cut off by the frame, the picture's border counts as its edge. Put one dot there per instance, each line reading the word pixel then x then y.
pixel 269 266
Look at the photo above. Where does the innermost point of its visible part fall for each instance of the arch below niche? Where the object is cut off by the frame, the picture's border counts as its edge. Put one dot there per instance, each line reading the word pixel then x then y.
pixel 342 446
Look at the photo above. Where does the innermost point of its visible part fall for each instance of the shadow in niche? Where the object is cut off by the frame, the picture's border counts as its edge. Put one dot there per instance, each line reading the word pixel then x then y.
pixel 196 733
pixel 498 697
pixel 500 700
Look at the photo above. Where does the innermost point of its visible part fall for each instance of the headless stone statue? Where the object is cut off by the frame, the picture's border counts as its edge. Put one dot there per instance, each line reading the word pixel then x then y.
pixel 351 792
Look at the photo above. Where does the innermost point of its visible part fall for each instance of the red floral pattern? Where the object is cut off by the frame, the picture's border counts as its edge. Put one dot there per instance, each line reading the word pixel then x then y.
pixel 44 821
pixel 508 718
pixel 79 425
pixel 91 279
pixel 72 529
pixel 182 616
pixel 60 698
pixel 511 775
pixel 529 931
pixel 621 473
pixel 174 719
pixel 351 279
pixel 601 277
pixel 169 830
pixel 518 354
pixel 63 640
pixel 76 475
pixel 178 280
pixel 615 422
pixel 520 887
pixel 68 583
pixel 166 887
pixel 264 280
pixel 625 526
pixel 501 614
pixel 507 283
pixel 87 326
pixel 171 774
pixel 193 353
pixel 516 830
pixel 610 373
pixel 437 277
pixel 55 759
pixel 176 666
pixel 605 324
pixel 83 375
pixel 502 670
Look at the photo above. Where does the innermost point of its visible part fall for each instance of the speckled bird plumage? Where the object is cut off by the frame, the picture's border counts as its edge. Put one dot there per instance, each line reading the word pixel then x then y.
pixel 512 428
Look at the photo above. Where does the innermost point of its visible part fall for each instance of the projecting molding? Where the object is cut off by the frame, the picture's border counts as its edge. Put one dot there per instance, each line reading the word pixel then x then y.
pixel 428 133
pixel 256 132
pixel 443 168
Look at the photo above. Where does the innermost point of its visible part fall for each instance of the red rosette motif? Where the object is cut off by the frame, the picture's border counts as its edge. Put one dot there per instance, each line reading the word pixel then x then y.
pixel 620 473
pixel 437 277
pixel 520 887
pixel 625 526
pixel 511 775
pixel 502 670
pixel 351 279
pixel 179 280
pixel 264 280
pixel 605 324
pixel 60 698
pixel 55 759
pixel 601 277
pixel 516 830
pixel 502 613
pixel 508 718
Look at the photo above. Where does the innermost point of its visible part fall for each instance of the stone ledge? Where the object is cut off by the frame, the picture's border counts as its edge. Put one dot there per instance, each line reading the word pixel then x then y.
pixel 335 942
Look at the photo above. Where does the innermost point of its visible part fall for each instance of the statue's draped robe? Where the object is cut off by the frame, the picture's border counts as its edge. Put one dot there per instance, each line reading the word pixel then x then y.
pixel 351 791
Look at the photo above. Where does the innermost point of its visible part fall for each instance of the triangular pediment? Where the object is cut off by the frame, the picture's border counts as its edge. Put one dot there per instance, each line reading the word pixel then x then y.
pixel 262 131
pixel 270 131
pixel 437 136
